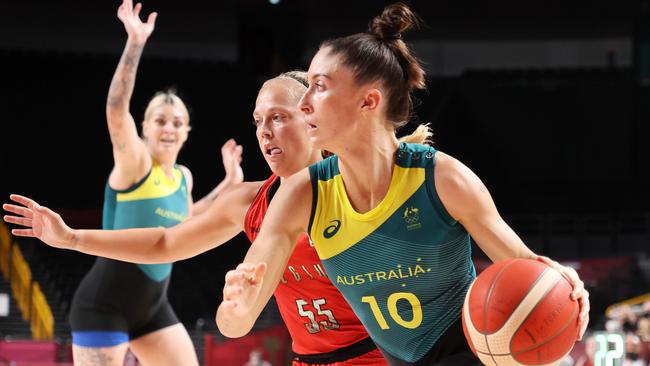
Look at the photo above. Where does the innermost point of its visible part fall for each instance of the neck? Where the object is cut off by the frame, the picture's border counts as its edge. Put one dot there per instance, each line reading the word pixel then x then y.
pixel 314 158
pixel 367 166
pixel 166 164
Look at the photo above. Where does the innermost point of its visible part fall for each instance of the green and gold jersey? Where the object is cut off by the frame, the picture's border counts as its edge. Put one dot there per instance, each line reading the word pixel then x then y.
pixel 403 266
pixel 155 201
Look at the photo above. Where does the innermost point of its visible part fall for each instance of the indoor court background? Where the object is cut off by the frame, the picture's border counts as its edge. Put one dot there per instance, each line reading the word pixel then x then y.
pixel 548 102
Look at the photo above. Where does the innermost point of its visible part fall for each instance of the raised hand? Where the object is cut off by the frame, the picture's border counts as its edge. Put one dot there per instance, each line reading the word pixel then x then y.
pixel 579 292
pixel 138 31
pixel 231 154
pixel 39 222
pixel 240 293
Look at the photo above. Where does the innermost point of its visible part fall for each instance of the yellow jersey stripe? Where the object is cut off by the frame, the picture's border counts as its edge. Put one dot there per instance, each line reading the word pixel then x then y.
pixel 156 185
pixel 350 225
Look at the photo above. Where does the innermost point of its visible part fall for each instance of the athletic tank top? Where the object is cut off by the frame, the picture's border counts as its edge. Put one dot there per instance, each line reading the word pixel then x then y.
pixel 403 266
pixel 317 317
pixel 154 201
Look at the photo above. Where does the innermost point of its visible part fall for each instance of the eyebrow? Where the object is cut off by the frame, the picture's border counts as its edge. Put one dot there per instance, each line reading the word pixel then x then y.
pixel 320 75
pixel 271 110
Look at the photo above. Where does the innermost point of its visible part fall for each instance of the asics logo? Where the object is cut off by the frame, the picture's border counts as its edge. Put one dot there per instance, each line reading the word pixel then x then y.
pixel 331 230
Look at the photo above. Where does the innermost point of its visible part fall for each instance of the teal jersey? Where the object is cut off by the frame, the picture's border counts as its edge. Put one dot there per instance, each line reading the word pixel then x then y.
pixel 404 266
pixel 155 201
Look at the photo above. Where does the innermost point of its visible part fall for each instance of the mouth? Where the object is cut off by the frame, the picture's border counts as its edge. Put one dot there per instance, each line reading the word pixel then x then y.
pixel 168 140
pixel 311 126
pixel 272 151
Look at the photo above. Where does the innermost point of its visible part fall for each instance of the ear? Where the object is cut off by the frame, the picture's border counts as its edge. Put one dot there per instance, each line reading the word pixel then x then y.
pixel 371 100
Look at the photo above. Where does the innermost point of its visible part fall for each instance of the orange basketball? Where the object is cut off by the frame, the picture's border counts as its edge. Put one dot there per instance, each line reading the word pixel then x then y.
pixel 518 312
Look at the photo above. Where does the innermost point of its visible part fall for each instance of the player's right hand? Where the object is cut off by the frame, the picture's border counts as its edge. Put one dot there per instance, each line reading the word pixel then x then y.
pixel 39 222
pixel 130 16
pixel 231 155
pixel 241 291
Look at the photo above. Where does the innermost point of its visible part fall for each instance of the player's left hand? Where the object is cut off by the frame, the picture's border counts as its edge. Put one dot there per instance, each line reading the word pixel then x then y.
pixel 579 293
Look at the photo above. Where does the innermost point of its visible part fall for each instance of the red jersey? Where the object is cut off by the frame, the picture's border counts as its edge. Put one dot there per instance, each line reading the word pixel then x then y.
pixel 316 314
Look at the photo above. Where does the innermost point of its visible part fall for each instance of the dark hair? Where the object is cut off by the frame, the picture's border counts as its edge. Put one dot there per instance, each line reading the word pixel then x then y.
pixel 380 54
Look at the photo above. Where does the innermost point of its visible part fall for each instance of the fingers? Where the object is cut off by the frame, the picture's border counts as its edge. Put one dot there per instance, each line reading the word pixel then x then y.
pixel 228 305
pixel 259 272
pixel 233 277
pixel 583 317
pixel 18 220
pixel 238 151
pixel 125 9
pixel 227 146
pixel 23 232
pixel 229 292
pixel 23 200
pixel 18 210
pixel 136 10
pixel 246 274
pixel 151 20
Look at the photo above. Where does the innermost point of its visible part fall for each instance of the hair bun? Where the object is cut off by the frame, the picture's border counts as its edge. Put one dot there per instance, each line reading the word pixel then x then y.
pixel 395 19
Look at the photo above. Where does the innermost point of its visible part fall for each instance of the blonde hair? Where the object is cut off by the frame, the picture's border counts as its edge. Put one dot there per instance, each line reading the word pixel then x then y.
pixel 421 135
pixel 297 75
pixel 170 97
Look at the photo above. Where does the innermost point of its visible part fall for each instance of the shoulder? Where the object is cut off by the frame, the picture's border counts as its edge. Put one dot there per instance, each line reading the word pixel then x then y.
pixel 189 179
pixel 323 170
pixel 457 185
pixel 185 170
pixel 300 181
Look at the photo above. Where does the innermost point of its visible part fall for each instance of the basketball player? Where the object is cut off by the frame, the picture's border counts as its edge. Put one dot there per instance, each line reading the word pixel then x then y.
pixel 322 326
pixel 390 221
pixel 120 305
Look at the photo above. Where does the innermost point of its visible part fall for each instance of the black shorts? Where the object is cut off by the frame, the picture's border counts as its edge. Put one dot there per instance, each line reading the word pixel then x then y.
pixel 116 302
pixel 451 349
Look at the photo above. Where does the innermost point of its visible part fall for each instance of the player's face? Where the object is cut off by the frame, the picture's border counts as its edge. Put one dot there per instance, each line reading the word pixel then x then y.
pixel 332 102
pixel 280 127
pixel 165 131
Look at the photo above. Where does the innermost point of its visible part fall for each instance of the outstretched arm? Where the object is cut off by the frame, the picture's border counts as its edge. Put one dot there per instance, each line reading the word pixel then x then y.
pixel 221 222
pixel 129 152
pixel 231 155
pixel 467 200
pixel 249 287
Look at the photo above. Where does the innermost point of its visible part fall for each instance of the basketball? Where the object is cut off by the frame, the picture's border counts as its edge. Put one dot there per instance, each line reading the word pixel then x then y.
pixel 519 312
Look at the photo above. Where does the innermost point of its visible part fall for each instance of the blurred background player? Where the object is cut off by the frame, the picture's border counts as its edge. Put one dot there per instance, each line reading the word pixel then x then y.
pixel 120 305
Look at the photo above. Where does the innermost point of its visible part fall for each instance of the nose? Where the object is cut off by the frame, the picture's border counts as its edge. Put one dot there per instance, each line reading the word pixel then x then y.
pixel 264 129
pixel 168 127
pixel 304 104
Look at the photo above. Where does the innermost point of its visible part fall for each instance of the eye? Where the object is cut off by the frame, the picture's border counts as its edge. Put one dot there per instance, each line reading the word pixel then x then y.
pixel 277 118
pixel 256 122
pixel 160 121
pixel 178 124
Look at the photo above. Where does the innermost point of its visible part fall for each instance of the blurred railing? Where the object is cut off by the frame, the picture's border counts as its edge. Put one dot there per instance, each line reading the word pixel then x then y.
pixel 29 297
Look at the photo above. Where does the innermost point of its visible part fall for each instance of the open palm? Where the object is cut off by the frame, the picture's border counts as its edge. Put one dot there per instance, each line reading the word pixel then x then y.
pixel 129 15
pixel 231 154
pixel 38 222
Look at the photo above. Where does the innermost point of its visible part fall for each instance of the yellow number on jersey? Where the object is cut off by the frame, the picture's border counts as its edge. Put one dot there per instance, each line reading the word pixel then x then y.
pixel 392 310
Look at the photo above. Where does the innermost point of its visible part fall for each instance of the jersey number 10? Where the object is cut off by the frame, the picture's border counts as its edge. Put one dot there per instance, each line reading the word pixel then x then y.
pixel 391 304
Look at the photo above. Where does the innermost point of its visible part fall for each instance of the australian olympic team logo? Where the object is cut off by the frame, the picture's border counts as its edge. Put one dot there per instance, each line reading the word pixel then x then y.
pixel 412 218
pixel 331 230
